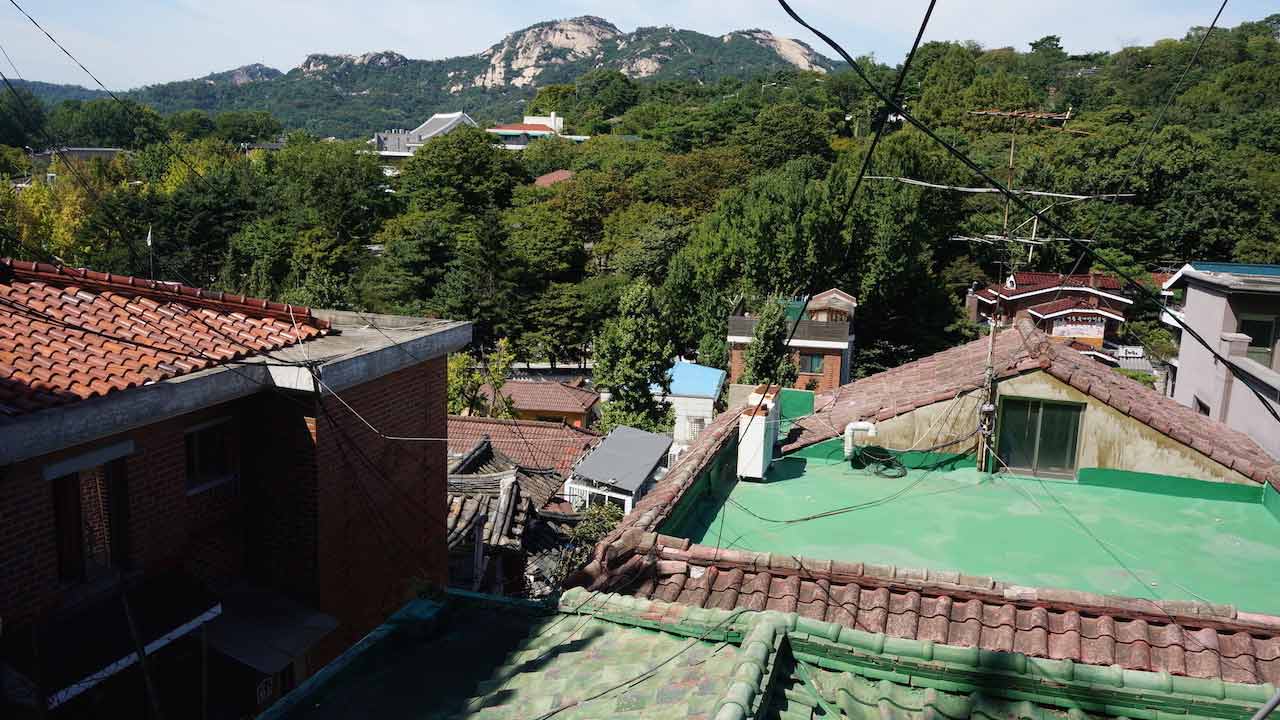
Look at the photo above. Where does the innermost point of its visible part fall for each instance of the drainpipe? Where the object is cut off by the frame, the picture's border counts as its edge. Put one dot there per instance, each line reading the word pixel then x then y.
pixel 855 427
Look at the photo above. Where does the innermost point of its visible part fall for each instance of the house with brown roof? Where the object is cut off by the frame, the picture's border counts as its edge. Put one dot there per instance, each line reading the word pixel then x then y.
pixel 822 341
pixel 505 523
pixel 1108 527
pixel 551 401
pixel 1085 308
pixel 204 476
pixel 530 443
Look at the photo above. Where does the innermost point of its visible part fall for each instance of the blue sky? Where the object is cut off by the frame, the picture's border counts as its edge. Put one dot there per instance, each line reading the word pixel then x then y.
pixel 134 42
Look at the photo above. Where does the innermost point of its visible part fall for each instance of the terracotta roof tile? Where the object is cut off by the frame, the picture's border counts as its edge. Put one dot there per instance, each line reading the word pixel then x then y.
pixel 535 395
pixel 1178 637
pixel 553 177
pixel 71 334
pixel 529 443
pixel 959 369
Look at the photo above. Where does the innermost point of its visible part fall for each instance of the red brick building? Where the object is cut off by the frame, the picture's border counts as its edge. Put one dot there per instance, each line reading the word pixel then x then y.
pixel 175 477
pixel 822 342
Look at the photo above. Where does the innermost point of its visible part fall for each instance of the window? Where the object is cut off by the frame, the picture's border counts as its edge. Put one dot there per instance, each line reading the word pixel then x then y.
pixel 1039 436
pixel 91 516
pixel 696 425
pixel 211 456
pixel 1262 337
pixel 810 363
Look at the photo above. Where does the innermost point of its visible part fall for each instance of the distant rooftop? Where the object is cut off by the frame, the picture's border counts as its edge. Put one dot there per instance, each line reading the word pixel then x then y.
pixel 1235 277
pixel 625 458
pixel 694 380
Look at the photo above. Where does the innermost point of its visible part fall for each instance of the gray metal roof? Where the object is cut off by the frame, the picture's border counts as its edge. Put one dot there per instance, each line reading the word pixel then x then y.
pixel 625 458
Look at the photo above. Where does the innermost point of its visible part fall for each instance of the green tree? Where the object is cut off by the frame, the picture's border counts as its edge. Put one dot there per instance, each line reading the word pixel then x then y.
pixel 463 168
pixel 190 124
pixel 768 360
pixel 22 119
pixel 784 132
pixel 552 98
pixel 246 126
pixel 475 383
pixel 632 354
pixel 105 123
pixel 416 249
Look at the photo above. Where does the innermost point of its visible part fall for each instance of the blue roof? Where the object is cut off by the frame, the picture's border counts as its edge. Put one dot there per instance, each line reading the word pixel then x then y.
pixel 1237 268
pixel 694 380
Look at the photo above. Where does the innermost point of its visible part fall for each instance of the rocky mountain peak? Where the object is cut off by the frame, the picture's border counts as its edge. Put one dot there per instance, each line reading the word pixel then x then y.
pixel 789 49
pixel 520 57
pixel 317 63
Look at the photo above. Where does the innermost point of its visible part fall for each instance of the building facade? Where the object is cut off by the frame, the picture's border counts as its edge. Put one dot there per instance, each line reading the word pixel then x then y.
pixel 822 341
pixel 1236 308
pixel 175 474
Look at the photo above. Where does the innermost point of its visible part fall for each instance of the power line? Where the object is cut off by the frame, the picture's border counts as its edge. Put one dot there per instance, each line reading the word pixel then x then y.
pixel 977 169
pixel 1033 193
pixel 168 146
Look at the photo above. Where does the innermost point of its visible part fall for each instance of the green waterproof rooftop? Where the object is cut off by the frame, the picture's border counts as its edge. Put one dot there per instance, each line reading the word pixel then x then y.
pixel 610 656
pixel 1106 532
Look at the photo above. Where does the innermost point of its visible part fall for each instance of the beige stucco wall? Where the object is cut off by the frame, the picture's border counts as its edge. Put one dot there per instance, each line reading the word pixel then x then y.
pixel 1111 439
pixel 931 424
pixel 1108 438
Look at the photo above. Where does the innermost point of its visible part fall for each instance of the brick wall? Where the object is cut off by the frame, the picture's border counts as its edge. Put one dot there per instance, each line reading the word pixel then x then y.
pixel 381 503
pixel 166 528
pixel 829 379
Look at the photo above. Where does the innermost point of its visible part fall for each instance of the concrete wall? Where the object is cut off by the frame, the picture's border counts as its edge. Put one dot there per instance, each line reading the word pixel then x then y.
pixel 686 409
pixel 1209 314
pixel 931 425
pixel 1111 439
pixel 1245 412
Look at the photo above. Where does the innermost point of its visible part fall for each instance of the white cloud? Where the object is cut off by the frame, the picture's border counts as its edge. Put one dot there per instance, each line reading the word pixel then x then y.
pixel 132 42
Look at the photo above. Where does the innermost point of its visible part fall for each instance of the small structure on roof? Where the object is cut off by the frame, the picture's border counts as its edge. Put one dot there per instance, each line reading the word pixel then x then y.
pixel 620 470
pixel 695 391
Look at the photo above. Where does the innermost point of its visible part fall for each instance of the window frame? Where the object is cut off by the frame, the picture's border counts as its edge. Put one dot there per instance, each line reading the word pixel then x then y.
pixel 194 487
pixel 821 363
pixel 1242 318
pixel 1034 470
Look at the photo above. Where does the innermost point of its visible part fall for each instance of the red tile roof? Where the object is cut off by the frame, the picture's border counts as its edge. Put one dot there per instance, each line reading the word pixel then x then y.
pixel 1074 304
pixel 1179 637
pixel 553 177
pixel 536 395
pixel 524 127
pixel 71 334
pixel 1017 350
pixel 530 443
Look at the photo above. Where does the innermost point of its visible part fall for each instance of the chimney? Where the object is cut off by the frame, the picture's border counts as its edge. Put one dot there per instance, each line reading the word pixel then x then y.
pixel 758 432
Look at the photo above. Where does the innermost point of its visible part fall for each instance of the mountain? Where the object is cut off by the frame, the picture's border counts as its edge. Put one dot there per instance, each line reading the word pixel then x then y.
pixel 52 93
pixel 356 95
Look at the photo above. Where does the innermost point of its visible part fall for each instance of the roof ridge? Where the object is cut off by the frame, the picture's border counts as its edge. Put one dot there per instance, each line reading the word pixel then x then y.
pixel 33 271
pixel 519 421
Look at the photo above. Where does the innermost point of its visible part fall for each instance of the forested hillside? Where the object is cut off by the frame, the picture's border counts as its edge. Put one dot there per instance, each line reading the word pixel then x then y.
pixel 735 190
pixel 351 96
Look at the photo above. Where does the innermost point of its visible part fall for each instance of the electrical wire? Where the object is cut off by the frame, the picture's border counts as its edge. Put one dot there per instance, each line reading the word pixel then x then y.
pixel 129 109
pixel 1024 205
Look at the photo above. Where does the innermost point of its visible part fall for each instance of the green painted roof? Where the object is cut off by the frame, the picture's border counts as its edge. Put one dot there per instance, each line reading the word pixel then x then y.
pixel 1109 532
pixel 606 656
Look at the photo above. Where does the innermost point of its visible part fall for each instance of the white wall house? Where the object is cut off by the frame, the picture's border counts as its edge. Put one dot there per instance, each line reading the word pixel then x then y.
pixel 694 391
